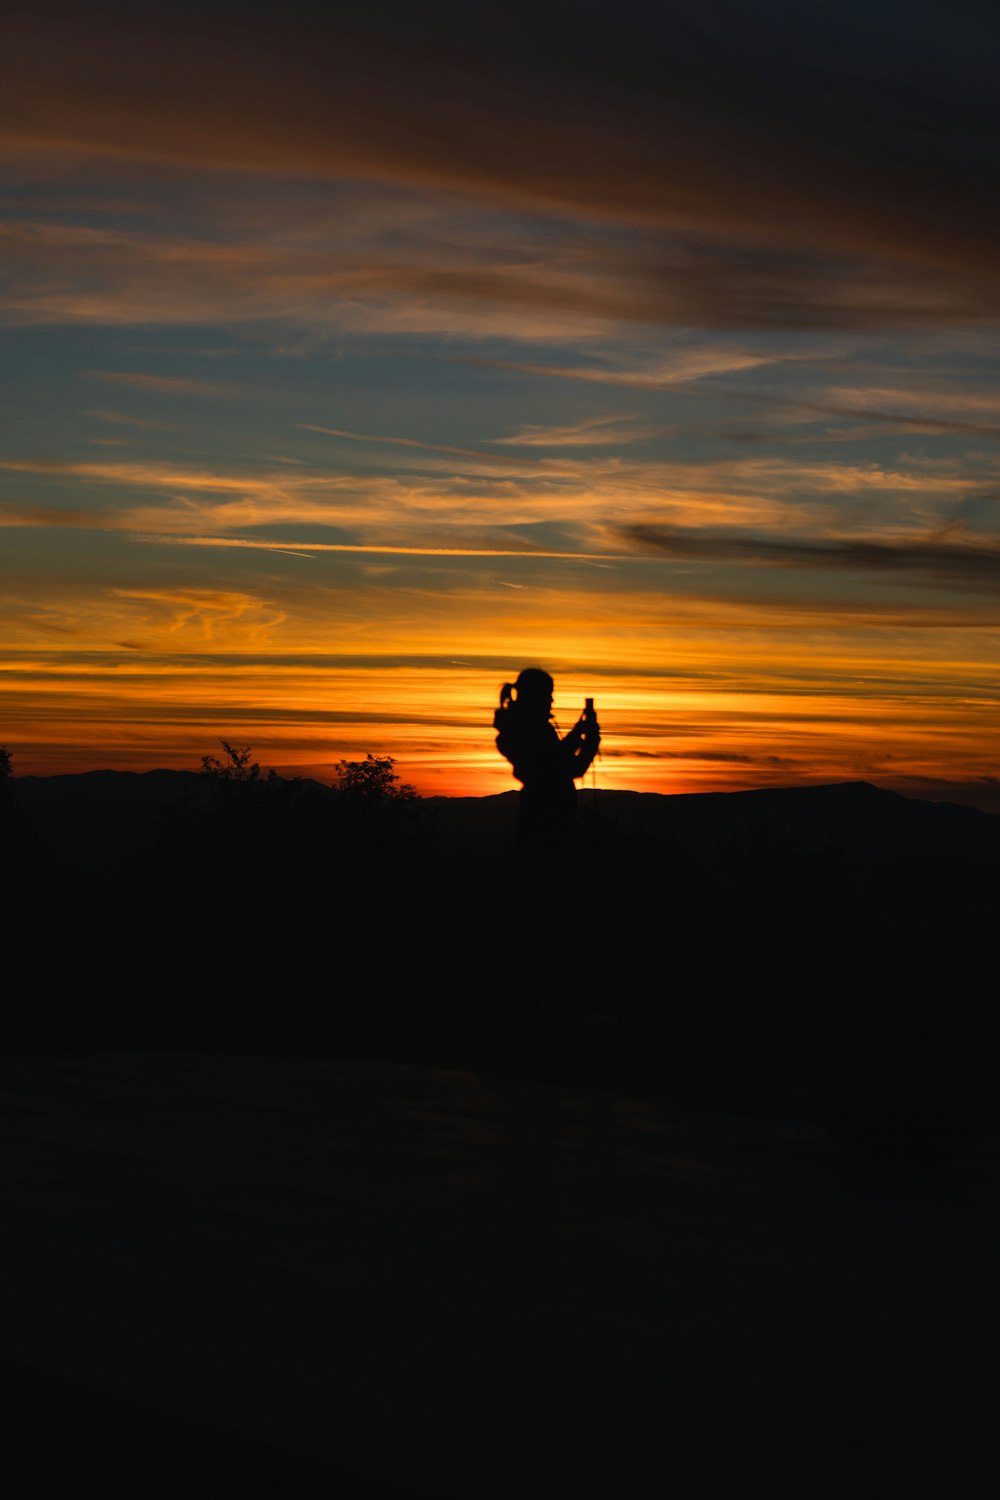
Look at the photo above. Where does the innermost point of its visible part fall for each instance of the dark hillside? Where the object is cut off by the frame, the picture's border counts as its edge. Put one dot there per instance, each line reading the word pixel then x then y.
pixel 821 949
pixel 94 820
pixel 852 813
pixel 97 819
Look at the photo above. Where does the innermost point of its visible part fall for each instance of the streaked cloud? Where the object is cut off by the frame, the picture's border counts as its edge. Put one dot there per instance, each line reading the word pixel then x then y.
pixel 400 442
pixel 686 363
pixel 206 614
pixel 305 549
pixel 125 419
pixel 945 561
pixel 159 385
pixel 592 432
pixel 575 118
pixel 491 488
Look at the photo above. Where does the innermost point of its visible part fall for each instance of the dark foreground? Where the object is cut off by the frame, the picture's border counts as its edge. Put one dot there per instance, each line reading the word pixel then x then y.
pixel 376 1279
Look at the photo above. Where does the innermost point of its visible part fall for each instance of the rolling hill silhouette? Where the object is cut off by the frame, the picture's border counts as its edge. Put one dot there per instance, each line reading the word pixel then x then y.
pixel 96 818
pixel 826 948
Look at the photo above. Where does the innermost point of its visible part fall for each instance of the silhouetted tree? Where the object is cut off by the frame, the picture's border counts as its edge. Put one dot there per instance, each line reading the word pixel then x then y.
pixel 237 765
pixel 6 762
pixel 230 805
pixel 373 779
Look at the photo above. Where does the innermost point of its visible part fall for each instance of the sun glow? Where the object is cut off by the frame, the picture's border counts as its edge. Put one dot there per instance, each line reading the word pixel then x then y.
pixel 693 726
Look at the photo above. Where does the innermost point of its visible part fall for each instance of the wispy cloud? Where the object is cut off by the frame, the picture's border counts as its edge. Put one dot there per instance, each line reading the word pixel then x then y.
pixel 762 492
pixel 923 399
pixel 305 549
pixel 401 442
pixel 159 385
pixel 687 372
pixel 592 432
pixel 870 406
pixel 205 613
pixel 125 419
pixel 13 513
pixel 688 363
pixel 844 196
pixel 514 278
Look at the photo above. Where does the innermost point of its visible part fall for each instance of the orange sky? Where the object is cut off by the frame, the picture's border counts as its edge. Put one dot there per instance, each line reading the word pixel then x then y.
pixel 738 705
pixel 354 364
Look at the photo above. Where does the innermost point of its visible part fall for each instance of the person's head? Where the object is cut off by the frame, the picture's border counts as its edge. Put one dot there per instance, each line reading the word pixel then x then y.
pixel 534 692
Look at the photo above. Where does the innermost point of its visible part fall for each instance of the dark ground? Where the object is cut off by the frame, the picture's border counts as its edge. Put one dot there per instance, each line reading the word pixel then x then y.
pixel 320 1274
pixel 348 1149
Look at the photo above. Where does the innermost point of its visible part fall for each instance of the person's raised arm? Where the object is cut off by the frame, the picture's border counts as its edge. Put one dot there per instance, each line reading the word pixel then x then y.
pixel 581 744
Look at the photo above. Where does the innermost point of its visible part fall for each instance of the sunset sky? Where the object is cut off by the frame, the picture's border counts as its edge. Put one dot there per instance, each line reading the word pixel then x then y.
pixel 351 364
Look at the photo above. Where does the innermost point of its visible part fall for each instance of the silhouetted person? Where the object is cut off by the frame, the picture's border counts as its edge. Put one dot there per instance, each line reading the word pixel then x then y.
pixel 547 766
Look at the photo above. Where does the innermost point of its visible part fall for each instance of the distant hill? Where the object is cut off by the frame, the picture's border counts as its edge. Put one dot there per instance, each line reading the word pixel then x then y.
pixel 95 819
pixel 852 813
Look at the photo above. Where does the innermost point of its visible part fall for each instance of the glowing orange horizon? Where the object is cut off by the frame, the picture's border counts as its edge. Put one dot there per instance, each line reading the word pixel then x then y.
pixel 660 732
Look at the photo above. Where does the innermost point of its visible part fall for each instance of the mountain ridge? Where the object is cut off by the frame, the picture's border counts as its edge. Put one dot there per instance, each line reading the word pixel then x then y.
pixel 94 818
